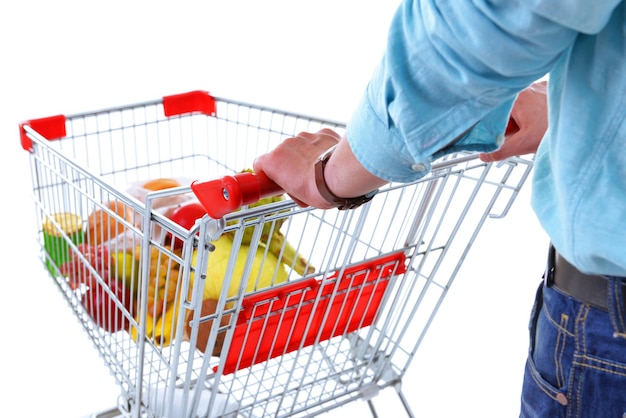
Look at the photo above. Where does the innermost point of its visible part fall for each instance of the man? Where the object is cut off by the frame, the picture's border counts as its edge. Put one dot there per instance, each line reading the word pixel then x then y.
pixel 447 82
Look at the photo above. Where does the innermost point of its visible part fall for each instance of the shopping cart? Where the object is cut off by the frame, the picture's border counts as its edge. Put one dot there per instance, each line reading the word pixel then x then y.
pixel 205 296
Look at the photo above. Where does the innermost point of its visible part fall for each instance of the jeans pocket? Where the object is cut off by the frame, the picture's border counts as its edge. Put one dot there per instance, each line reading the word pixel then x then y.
pixel 539 397
pixel 549 359
pixel 553 347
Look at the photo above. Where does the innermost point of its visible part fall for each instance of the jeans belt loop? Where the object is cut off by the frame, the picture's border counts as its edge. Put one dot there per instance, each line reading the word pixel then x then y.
pixel 548 275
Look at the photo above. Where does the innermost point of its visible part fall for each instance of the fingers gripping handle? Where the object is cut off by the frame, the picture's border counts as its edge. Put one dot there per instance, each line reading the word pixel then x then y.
pixel 223 196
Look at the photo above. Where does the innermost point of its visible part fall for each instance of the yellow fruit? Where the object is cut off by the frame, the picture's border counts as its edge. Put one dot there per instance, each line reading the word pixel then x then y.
pixel 280 247
pixel 273 238
pixel 160 330
pixel 266 270
pixel 161 296
pixel 162 304
pixel 126 267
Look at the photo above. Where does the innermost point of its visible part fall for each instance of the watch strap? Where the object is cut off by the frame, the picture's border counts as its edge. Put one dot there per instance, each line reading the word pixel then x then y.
pixel 341 203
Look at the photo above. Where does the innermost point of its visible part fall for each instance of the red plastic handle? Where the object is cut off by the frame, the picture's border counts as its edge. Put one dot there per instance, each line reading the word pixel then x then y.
pixel 226 195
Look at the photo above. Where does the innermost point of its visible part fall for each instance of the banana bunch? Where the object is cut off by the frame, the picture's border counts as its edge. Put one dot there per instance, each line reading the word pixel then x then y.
pixel 274 239
pixel 163 293
pixel 160 329
pixel 162 303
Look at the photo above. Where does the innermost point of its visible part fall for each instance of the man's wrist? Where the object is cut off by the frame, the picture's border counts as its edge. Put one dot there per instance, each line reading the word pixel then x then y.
pixel 340 203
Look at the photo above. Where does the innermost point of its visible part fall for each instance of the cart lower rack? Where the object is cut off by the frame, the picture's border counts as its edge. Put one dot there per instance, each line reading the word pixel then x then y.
pixel 265 310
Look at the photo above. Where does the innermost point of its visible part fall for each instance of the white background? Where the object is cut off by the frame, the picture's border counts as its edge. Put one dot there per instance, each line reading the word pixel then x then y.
pixel 312 57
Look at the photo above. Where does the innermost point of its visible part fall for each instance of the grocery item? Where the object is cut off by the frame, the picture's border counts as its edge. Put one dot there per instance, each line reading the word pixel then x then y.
pixel 164 281
pixel 100 303
pixel 265 271
pixel 104 298
pixel 161 184
pixel 126 269
pixel 186 216
pixel 274 239
pixel 164 204
pixel 161 303
pixel 77 273
pixel 165 275
pixel 103 227
pixel 55 230
pixel 209 307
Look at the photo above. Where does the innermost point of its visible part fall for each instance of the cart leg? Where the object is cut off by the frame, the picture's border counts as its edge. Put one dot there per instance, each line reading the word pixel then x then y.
pixel 372 409
pixel 109 413
pixel 404 401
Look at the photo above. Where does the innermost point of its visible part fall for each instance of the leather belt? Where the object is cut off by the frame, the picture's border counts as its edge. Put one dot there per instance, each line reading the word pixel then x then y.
pixel 589 289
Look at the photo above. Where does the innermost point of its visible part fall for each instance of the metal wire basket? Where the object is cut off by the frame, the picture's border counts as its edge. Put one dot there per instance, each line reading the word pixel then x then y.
pixel 267 309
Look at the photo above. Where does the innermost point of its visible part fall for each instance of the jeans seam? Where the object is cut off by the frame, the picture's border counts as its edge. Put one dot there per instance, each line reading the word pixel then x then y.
pixel 574 408
pixel 580 335
pixel 554 323
pixel 558 351
pixel 545 389
pixel 579 360
pixel 615 307
pixel 580 350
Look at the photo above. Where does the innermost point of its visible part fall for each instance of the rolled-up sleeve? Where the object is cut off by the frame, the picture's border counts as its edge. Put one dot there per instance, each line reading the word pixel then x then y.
pixel 450 74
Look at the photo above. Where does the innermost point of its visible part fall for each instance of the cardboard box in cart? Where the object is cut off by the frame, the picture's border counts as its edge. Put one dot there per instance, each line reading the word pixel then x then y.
pixel 209 293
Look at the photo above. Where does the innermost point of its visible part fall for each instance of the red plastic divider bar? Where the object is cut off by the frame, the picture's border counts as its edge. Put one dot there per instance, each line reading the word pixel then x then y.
pixel 52 127
pixel 193 101
pixel 280 320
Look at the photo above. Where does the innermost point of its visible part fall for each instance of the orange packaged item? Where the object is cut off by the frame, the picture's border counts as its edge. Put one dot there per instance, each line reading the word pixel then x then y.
pixel 166 204
pixel 103 227
pixel 161 184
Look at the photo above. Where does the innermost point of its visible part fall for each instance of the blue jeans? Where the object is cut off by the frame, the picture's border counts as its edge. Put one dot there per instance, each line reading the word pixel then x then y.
pixel 577 359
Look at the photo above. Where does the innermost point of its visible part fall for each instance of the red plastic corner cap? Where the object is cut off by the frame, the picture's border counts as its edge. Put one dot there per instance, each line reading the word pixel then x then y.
pixel 194 101
pixel 52 127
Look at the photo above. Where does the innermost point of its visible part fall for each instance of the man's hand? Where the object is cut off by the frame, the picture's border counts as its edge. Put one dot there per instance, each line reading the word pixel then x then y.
pixel 291 165
pixel 528 124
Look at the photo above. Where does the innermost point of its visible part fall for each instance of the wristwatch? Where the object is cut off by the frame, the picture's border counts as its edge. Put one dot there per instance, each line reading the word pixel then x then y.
pixel 341 203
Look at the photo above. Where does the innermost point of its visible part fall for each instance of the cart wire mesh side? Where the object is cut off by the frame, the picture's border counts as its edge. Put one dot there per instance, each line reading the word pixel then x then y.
pixel 268 309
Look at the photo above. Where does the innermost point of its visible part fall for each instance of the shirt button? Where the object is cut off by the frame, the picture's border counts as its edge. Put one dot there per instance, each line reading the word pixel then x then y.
pixel 561 399
pixel 418 167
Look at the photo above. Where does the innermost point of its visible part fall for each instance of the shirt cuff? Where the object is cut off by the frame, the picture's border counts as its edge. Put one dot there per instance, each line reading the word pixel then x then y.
pixel 379 149
pixel 383 152
pixel 486 136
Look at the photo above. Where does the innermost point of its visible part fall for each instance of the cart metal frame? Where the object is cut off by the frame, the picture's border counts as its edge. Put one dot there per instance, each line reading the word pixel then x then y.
pixel 344 328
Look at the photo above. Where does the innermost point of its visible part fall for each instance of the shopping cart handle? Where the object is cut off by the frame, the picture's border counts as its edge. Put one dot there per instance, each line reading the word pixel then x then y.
pixel 223 196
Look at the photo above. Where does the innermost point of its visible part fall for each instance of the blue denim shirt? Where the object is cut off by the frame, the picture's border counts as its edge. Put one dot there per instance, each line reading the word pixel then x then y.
pixel 451 72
